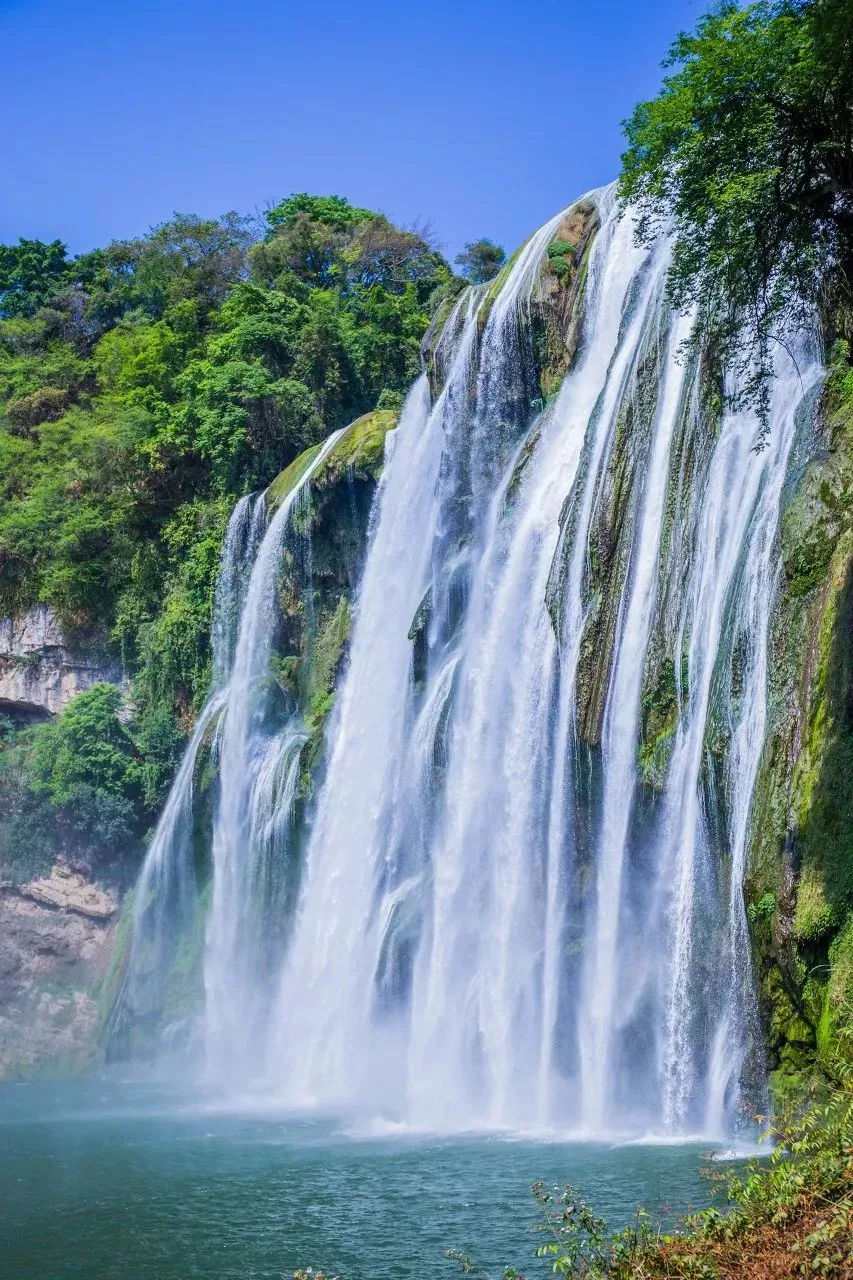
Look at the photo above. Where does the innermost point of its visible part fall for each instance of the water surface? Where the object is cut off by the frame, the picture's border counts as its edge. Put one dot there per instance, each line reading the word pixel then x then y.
pixel 140 1181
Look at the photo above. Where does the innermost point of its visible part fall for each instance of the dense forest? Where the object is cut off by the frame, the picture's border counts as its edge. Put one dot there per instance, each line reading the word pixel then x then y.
pixel 143 388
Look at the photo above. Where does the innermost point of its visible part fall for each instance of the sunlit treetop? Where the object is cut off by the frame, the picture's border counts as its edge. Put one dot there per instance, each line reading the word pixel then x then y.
pixel 747 155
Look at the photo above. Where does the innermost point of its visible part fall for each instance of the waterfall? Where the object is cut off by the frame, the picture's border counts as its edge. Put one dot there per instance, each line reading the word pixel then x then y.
pixel 498 925
pixel 165 903
pixel 518 896
pixel 258 764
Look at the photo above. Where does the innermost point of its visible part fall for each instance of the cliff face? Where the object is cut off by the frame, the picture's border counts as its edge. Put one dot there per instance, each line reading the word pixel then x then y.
pixel 56 931
pixel 800 881
pixel 56 937
pixel 42 668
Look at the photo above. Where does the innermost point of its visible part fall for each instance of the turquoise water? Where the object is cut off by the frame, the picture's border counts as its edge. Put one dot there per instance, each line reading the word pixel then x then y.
pixel 137 1181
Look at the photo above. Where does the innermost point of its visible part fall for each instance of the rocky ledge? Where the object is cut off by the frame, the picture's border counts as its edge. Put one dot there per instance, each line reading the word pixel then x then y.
pixel 42 668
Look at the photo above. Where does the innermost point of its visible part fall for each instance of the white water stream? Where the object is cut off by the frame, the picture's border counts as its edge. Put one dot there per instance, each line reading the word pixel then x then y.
pixel 498 924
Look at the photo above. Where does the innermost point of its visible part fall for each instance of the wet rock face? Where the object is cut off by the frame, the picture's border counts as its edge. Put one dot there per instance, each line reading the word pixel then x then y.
pixel 56 937
pixel 42 669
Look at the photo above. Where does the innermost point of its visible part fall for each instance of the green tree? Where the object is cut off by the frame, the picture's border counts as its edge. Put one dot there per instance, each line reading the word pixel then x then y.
pixel 87 745
pixel 334 211
pixel 747 155
pixel 31 273
pixel 144 387
pixel 186 258
pixel 481 260
pixel 73 786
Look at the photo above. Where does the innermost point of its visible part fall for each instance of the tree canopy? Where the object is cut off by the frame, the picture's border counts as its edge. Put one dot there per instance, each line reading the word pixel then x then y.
pixel 747 154
pixel 481 260
pixel 144 386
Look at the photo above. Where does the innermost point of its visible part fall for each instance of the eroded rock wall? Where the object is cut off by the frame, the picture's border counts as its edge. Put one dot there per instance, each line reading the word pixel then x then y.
pixel 42 668
pixel 57 936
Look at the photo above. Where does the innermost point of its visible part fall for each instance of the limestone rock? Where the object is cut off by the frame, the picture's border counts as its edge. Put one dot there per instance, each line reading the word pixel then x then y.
pixel 42 668
pixel 56 938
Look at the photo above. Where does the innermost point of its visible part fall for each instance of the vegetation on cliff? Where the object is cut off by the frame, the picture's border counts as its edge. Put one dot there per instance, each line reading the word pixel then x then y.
pixel 143 388
pixel 76 787
pixel 747 153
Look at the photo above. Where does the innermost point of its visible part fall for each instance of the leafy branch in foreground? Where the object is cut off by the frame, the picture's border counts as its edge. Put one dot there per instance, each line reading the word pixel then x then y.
pixel 577 1242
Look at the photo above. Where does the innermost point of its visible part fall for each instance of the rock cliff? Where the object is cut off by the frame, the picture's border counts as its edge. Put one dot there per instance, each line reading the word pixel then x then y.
pixel 56 937
pixel 42 668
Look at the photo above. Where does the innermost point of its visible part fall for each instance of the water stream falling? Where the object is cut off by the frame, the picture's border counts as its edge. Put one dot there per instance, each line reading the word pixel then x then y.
pixel 520 904
pixel 256 761
pixel 258 764
pixel 165 901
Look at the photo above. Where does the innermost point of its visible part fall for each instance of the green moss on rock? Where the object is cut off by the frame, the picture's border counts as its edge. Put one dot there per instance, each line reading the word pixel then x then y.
pixel 801 844
pixel 659 721
pixel 558 309
pixel 360 449
pixel 287 480
pixel 814 916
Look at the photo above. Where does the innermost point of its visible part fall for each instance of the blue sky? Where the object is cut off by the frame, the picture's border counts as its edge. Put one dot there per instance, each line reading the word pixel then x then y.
pixel 481 118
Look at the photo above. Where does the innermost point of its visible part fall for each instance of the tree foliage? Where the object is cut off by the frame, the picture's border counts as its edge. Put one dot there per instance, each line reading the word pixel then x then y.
pixel 747 154
pixel 174 372
pixel 31 272
pixel 481 260
pixel 144 386
pixel 73 786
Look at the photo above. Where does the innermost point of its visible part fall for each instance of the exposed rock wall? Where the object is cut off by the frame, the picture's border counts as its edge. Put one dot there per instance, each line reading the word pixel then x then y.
pixel 57 935
pixel 42 668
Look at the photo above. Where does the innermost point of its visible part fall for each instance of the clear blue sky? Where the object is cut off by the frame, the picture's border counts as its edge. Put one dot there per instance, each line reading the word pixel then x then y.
pixel 483 118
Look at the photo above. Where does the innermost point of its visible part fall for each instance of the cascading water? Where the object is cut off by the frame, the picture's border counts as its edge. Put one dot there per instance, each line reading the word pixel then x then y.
pixel 520 904
pixel 165 904
pixel 256 763
pixel 494 929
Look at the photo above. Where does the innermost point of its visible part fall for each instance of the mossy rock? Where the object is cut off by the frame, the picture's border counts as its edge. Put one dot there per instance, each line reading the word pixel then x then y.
pixel 562 287
pixel 107 990
pixel 360 450
pixel 839 992
pixel 811 527
pixel 287 480
pixel 814 917
pixel 659 721
pixel 823 778
pixel 801 844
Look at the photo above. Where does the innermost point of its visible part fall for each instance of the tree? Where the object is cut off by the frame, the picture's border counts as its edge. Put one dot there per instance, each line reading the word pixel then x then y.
pixel 86 746
pixel 144 387
pixel 334 211
pixel 31 273
pixel 481 260
pixel 185 259
pixel 747 155
pixel 72 786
